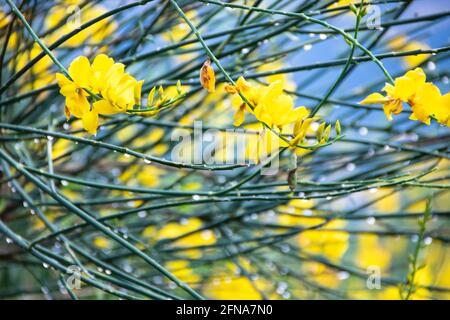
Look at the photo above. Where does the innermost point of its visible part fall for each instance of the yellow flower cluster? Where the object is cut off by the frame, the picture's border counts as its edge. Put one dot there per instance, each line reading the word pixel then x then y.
pixel 425 98
pixel 270 104
pixel 110 88
pixel 119 90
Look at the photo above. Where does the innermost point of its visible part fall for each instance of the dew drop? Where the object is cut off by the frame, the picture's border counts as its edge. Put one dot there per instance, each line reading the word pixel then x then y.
pixel 370 152
pixel 206 234
pixel 142 214
pixel 282 287
pixel 172 285
pixel 342 275
pixel 371 220
pixel 254 276
pixel 285 248
pixel 431 66
pixel 363 131
pixel 314 126
pixel 286 295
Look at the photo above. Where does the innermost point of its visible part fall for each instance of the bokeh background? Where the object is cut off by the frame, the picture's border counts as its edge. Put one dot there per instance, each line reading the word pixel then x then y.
pixel 357 205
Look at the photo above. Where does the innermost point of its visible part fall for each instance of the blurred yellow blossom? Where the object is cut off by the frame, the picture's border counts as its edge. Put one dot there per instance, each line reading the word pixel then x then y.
pixel 102 242
pixel 95 34
pixel 181 270
pixel 329 243
pixel 38 75
pixel 400 42
pixel 287 83
pixel 371 253
pixel 179 229
pixel 237 288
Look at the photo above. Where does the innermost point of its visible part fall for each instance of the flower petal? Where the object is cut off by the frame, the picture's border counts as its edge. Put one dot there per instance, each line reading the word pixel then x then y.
pixel 375 98
pixel 90 122
pixel 238 117
pixel 81 72
pixel 105 107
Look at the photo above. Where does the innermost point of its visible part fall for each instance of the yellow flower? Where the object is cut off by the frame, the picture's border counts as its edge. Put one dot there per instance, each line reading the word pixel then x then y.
pixel 112 89
pixel 271 105
pixel 402 90
pixel 249 91
pixel 427 101
pixel 120 90
pixel 442 110
pixel 276 108
pixel 76 97
pixel 424 98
